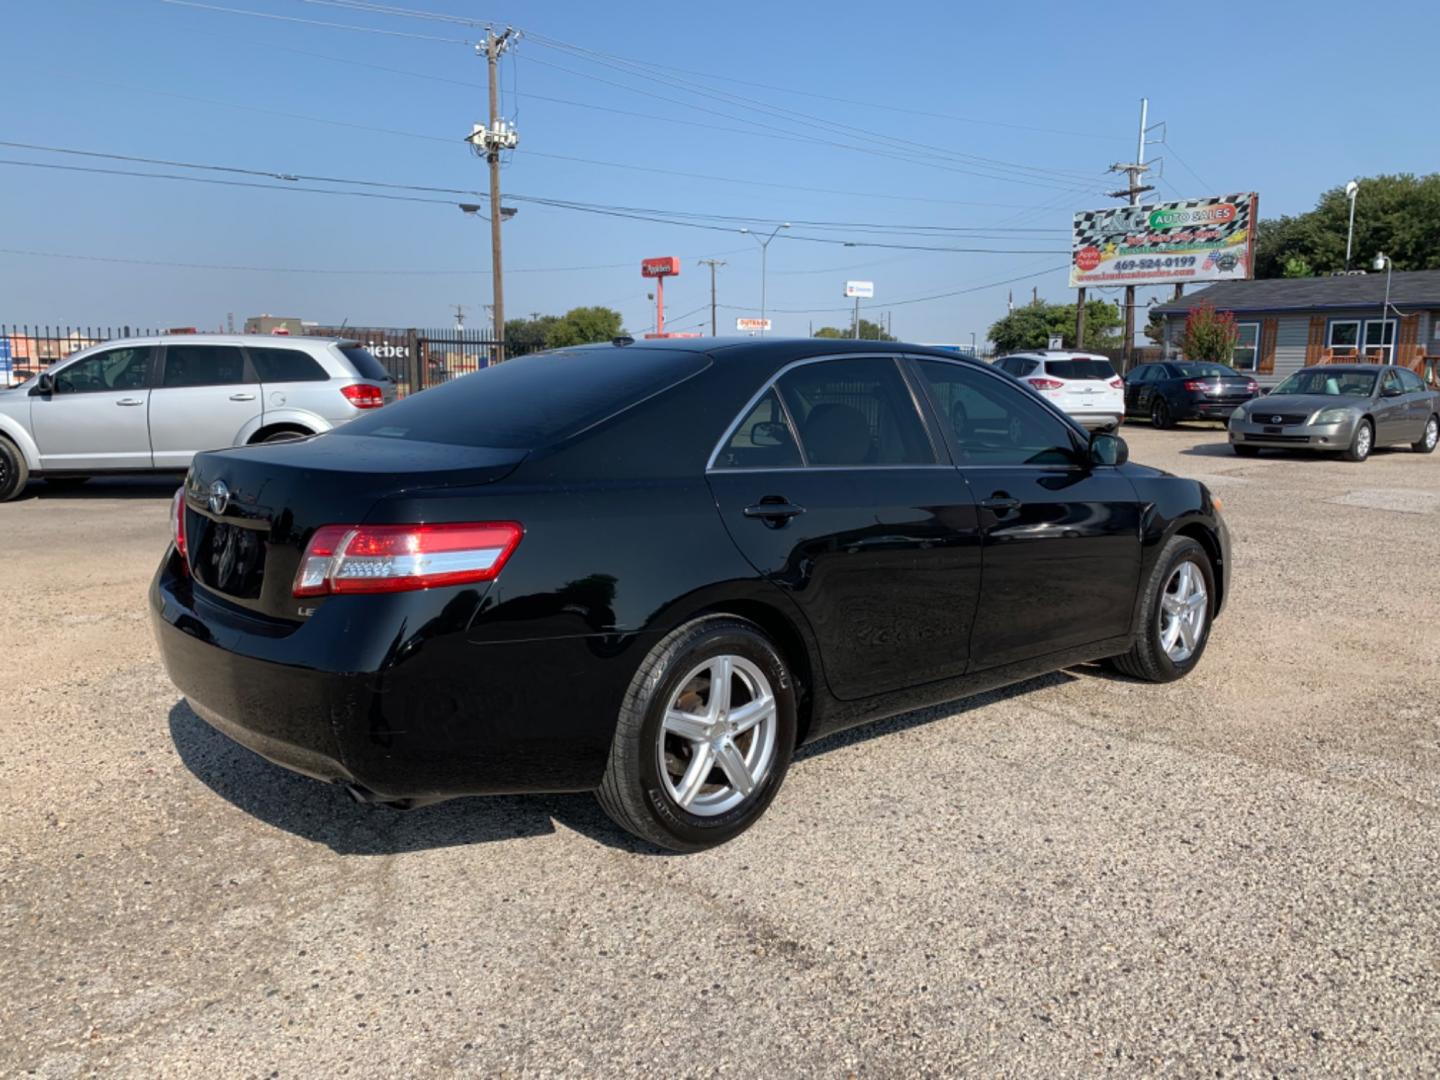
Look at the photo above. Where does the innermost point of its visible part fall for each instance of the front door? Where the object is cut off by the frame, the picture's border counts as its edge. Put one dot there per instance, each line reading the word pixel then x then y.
pixel 1061 537
pixel 831 487
pixel 1392 411
pixel 205 397
pixel 96 417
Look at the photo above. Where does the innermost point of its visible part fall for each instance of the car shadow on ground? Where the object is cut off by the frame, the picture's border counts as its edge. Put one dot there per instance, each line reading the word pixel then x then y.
pixel 325 814
pixel 110 487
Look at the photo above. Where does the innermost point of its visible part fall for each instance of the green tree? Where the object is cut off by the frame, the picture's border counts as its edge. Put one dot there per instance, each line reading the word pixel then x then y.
pixel 582 325
pixel 1297 267
pixel 869 331
pixel 1031 326
pixel 1209 335
pixel 1399 215
pixel 1154 328
pixel 528 335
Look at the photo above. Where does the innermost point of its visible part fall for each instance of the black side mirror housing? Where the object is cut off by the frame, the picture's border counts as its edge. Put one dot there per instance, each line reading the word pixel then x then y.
pixel 1107 448
pixel 45 384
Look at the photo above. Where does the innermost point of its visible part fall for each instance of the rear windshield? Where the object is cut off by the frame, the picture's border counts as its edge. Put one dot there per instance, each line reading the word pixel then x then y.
pixel 532 401
pixel 1080 369
pixel 365 365
pixel 1205 371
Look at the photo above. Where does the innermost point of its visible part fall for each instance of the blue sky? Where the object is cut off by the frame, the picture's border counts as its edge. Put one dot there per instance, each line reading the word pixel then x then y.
pixel 955 116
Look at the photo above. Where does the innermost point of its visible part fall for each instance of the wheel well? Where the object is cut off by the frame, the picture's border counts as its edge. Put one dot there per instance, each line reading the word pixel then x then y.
pixel 1206 539
pixel 792 648
pixel 279 429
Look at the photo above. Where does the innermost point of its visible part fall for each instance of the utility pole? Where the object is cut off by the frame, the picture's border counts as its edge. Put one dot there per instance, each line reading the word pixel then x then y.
pixel 459 316
pixel 1134 170
pixel 713 264
pixel 488 142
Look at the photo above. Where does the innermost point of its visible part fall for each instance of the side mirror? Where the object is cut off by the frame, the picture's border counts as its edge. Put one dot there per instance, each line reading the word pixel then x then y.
pixel 1108 449
pixel 46 383
pixel 769 433
pixel 1391 390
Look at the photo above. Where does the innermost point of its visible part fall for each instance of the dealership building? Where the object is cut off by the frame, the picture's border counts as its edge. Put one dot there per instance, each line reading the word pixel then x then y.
pixel 1289 323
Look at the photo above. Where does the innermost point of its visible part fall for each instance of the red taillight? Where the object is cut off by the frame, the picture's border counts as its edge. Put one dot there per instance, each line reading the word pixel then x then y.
pixel 1252 386
pixel 177 523
pixel 1195 386
pixel 1117 384
pixel 1045 384
pixel 363 395
pixel 397 558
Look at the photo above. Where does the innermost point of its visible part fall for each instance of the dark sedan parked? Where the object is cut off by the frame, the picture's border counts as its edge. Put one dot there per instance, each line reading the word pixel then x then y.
pixel 655 569
pixel 1186 390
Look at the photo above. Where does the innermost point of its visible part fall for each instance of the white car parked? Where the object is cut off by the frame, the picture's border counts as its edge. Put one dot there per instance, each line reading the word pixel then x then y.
pixel 1081 384
pixel 150 404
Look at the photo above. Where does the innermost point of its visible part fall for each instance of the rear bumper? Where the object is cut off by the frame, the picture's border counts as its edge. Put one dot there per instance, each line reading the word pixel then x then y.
pixel 1092 421
pixel 1209 410
pixel 346 698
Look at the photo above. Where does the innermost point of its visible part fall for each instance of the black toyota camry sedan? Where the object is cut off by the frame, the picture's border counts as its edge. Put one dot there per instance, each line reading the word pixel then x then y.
pixel 653 570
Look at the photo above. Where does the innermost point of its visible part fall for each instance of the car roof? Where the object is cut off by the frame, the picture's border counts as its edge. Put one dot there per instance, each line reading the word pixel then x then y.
pixel 1353 367
pixel 226 339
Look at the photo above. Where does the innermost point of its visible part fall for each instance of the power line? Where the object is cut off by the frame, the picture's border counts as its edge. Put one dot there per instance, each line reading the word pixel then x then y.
pixel 313 22
pixel 913 299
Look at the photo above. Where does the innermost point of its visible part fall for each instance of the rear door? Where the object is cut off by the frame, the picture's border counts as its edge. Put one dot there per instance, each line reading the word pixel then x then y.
pixel 1137 389
pixel 831 486
pixel 1417 402
pixel 206 395
pixel 1061 538
pixel 96 417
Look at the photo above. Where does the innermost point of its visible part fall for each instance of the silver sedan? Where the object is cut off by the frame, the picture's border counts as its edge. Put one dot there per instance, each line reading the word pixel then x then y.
pixel 1348 409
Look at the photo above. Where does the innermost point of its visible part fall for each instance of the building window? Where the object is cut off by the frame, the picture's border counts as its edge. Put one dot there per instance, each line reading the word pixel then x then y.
pixel 1247 346
pixel 1345 335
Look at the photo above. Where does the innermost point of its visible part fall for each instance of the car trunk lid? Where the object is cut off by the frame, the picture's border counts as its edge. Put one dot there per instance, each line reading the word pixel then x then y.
pixel 250 511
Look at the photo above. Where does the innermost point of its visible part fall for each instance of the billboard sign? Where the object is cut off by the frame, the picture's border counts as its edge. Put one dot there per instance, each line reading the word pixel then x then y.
pixel 864 290
pixel 1210 239
pixel 747 325
pixel 660 267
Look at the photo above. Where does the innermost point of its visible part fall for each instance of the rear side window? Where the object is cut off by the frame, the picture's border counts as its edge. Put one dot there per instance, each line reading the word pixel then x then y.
pixel 534 400
pixel 1085 368
pixel 286 365
pixel 856 412
pixel 365 365
pixel 203 365
pixel 763 440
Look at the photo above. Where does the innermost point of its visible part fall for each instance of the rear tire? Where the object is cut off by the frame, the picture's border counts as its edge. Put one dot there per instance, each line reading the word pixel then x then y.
pixel 1160 417
pixel 1361 443
pixel 1164 651
pixel 14 473
pixel 1426 443
pixel 657 784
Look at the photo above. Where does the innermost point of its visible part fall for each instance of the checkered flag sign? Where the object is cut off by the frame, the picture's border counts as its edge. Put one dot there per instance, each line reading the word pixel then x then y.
pixel 1211 239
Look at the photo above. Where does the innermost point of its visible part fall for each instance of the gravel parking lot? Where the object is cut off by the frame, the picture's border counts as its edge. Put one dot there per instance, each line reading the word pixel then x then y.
pixel 1237 874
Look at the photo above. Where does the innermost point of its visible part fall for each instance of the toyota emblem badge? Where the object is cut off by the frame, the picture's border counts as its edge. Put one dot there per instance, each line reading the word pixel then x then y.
pixel 219 498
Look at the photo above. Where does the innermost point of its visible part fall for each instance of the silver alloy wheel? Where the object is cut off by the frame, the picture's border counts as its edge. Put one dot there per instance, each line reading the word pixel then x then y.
pixel 717 740
pixel 1432 433
pixel 1362 440
pixel 1184 607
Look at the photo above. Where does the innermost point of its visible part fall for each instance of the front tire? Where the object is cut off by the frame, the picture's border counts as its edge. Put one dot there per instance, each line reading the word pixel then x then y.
pixel 1175 612
pixel 14 473
pixel 1361 443
pixel 1426 443
pixel 704 739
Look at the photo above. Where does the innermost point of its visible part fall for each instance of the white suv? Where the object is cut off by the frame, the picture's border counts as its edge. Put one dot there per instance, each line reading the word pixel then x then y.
pixel 1081 384
pixel 150 404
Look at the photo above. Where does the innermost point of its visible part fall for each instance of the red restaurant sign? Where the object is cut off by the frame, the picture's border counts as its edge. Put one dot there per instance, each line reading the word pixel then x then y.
pixel 660 267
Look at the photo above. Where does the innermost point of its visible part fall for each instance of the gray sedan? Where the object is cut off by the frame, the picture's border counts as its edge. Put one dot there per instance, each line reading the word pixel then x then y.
pixel 1348 409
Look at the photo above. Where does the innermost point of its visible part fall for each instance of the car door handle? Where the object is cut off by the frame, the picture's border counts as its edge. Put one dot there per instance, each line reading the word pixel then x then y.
pixel 1000 503
pixel 242 397
pixel 774 513
pixel 130 401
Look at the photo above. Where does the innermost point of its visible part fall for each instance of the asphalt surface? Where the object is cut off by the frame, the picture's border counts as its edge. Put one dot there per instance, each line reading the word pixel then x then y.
pixel 1235 875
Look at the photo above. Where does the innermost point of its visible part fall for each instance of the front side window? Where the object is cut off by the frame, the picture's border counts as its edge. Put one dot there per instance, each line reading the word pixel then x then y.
pixel 855 411
pixel 113 369
pixel 764 439
pixel 1411 382
pixel 1392 385
pixel 991 422
pixel 203 365
pixel 1247 346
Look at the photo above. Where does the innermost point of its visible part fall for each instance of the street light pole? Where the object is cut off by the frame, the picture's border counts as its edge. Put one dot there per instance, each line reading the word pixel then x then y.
pixel 764 254
pixel 1350 191
pixel 1384 260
